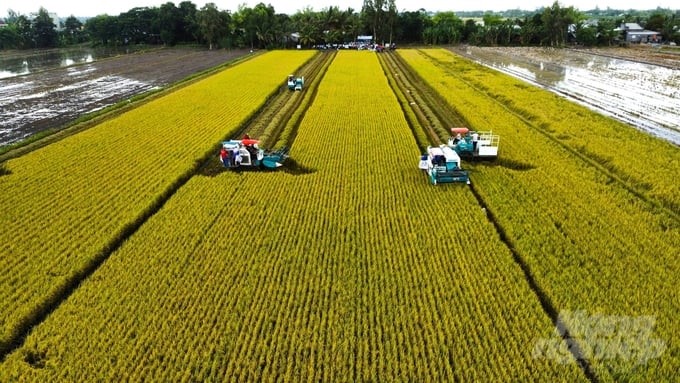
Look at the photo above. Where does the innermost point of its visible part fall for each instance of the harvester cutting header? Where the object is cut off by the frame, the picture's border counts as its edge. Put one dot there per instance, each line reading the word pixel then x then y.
pixel 443 163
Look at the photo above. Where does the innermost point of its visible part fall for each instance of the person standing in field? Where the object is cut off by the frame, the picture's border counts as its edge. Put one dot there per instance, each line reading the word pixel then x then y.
pixel 237 157
pixel 224 156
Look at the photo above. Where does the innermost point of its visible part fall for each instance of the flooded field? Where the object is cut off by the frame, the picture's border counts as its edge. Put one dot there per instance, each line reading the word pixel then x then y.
pixel 18 63
pixel 643 95
pixel 59 86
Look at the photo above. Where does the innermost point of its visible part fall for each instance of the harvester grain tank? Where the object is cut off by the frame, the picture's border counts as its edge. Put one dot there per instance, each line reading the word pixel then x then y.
pixel 473 144
pixel 295 83
pixel 246 153
pixel 442 165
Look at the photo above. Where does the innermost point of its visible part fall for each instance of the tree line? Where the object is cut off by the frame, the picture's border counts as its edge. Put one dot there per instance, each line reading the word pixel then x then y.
pixel 261 27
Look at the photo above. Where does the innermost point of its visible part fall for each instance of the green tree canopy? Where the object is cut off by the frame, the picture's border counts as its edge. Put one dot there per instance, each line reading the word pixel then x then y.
pixel 213 24
pixel 44 30
pixel 73 30
pixel 103 29
pixel 445 28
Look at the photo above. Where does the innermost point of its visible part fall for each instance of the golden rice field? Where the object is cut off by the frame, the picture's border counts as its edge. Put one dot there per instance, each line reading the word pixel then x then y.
pixel 643 162
pixel 66 204
pixel 590 242
pixel 359 270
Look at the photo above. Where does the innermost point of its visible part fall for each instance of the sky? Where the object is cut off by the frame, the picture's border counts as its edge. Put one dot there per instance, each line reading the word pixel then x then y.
pixel 88 8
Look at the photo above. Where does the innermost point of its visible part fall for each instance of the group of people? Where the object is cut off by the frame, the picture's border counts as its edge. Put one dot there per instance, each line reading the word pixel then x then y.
pixel 230 158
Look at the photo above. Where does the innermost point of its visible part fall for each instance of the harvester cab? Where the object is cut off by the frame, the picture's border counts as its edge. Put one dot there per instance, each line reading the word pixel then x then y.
pixel 472 144
pixel 442 165
pixel 247 153
pixel 295 83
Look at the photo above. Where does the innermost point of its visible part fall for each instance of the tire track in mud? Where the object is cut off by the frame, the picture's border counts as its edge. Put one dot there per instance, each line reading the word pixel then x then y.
pixel 316 68
pixel 427 102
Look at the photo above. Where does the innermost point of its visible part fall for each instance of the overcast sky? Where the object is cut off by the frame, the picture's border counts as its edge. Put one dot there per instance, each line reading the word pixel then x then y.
pixel 65 8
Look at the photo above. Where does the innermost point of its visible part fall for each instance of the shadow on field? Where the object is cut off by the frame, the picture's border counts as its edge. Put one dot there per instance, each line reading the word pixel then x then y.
pixel 214 167
pixel 506 163
pixel 4 171
pixel 290 166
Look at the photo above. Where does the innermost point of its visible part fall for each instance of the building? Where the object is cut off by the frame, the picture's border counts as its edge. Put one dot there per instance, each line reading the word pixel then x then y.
pixel 634 33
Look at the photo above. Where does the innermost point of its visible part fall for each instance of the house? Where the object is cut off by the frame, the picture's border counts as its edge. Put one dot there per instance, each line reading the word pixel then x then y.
pixel 634 33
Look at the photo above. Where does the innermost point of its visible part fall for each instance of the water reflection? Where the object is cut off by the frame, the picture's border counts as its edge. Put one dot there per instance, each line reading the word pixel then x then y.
pixel 21 63
pixel 14 70
pixel 542 72
pixel 642 95
pixel 69 59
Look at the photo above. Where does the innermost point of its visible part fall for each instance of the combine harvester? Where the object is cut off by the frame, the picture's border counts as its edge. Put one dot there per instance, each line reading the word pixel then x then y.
pixel 475 145
pixel 295 83
pixel 443 165
pixel 246 153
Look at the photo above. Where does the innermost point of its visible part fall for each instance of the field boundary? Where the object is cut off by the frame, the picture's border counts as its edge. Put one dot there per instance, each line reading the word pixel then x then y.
pixel 544 299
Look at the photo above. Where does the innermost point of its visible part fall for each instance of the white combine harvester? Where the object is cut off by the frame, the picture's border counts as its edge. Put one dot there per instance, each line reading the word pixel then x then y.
pixel 442 163
pixel 246 153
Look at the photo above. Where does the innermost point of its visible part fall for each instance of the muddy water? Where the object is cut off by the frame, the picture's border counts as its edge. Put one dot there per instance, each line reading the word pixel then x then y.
pixel 52 99
pixel 642 95
pixel 44 88
pixel 18 63
pixel 36 104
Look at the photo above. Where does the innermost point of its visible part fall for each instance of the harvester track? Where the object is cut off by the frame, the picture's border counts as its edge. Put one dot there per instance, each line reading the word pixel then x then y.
pixel 287 135
pixel 434 115
pixel 281 112
pixel 272 119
